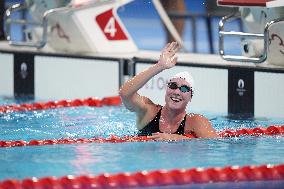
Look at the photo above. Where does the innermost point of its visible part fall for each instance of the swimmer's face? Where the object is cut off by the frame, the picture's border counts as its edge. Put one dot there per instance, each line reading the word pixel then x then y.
pixel 178 93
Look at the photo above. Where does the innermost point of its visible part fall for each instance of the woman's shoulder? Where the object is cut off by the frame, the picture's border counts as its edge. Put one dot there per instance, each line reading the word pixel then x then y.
pixel 194 116
pixel 195 119
pixel 154 108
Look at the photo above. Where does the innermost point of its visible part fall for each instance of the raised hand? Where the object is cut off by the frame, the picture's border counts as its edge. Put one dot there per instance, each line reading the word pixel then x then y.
pixel 167 58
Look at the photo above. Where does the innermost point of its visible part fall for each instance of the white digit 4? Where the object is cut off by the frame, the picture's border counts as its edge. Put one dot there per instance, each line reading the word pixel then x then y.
pixel 110 27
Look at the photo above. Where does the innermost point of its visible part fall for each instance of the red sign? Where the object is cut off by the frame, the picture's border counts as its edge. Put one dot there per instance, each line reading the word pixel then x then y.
pixel 110 27
pixel 261 3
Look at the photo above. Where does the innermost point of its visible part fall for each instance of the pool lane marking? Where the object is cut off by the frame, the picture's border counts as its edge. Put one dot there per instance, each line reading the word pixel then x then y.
pixel 229 174
pixel 93 102
pixel 258 131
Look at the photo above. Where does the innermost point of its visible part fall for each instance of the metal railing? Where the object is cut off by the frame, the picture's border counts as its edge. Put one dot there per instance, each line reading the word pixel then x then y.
pixel 223 33
pixel 264 37
pixel 208 19
pixel 43 25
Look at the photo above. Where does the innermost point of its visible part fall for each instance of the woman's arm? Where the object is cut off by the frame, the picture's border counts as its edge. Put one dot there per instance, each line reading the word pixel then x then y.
pixel 201 127
pixel 167 137
pixel 128 92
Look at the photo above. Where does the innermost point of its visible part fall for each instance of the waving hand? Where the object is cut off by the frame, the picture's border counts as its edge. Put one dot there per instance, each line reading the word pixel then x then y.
pixel 167 58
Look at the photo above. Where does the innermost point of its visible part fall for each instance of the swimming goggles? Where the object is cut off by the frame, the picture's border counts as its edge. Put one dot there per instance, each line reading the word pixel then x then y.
pixel 183 88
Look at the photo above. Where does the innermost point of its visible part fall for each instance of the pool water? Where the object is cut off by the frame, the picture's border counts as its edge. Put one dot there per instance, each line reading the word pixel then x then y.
pixel 87 122
pixel 96 158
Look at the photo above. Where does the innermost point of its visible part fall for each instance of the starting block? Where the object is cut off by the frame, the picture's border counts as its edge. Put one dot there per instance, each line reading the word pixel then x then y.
pixel 264 36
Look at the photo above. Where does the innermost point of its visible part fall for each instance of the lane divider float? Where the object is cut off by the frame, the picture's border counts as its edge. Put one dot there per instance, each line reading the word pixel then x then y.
pixel 258 131
pixel 94 102
pixel 152 178
pixel 139 179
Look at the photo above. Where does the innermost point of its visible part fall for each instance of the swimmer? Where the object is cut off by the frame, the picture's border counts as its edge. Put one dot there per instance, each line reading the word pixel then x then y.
pixel 168 122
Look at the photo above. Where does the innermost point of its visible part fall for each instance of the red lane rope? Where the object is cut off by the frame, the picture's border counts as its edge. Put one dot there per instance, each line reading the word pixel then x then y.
pixel 107 101
pixel 152 178
pixel 258 131
pixel 139 179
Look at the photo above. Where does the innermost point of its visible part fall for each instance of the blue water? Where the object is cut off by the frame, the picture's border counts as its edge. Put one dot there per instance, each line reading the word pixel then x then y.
pixel 97 158
pixel 147 30
pixel 91 122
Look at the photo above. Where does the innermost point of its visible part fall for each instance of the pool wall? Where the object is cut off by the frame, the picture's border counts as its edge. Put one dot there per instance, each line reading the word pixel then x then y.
pixel 221 86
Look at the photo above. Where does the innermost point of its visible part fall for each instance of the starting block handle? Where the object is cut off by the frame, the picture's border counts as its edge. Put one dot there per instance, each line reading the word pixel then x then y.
pixel 223 33
pixel 44 25
pixel 10 21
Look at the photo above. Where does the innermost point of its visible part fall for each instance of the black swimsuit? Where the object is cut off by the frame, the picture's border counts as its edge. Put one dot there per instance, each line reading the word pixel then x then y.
pixel 153 126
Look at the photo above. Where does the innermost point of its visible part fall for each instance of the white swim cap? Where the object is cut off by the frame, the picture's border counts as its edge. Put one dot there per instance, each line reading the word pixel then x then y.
pixel 187 77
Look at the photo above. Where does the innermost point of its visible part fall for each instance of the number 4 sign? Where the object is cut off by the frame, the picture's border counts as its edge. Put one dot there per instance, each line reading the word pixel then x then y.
pixel 110 27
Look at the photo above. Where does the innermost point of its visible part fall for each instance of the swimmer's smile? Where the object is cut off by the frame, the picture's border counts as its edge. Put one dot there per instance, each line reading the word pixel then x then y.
pixel 175 99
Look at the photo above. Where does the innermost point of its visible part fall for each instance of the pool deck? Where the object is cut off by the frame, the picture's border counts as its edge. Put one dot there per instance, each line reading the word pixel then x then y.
pixel 210 60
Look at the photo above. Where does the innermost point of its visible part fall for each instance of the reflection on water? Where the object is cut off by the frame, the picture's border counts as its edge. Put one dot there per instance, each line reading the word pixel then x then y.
pixel 97 158
pixel 88 122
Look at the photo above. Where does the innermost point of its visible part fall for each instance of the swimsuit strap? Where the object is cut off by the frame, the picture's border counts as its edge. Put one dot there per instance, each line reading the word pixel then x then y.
pixel 158 116
pixel 152 126
pixel 180 129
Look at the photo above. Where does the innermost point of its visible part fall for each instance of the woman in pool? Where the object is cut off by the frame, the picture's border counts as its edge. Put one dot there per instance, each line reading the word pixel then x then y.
pixel 168 122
